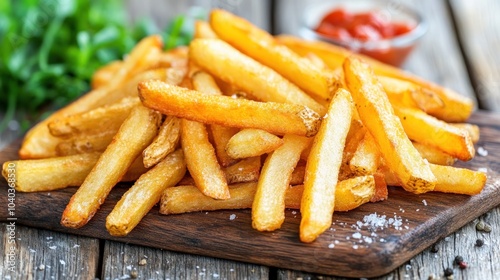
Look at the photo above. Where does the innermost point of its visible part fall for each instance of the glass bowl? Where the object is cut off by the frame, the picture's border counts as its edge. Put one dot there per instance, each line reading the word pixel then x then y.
pixel 392 50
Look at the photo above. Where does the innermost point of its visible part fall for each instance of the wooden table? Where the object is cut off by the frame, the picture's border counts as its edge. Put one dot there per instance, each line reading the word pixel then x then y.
pixel 459 51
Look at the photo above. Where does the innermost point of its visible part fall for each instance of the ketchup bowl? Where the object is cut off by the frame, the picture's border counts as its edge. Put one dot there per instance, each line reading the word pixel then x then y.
pixel 385 30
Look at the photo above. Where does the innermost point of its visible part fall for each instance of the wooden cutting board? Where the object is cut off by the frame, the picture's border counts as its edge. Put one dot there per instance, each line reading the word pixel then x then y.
pixel 367 242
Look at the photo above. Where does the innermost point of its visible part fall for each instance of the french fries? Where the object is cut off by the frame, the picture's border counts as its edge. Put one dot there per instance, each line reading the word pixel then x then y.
pixel 261 46
pixel 322 169
pixel 297 124
pixel 278 118
pixel 268 208
pixel 377 115
pixel 145 193
pixel 136 132
pixel 226 63
pixel 252 142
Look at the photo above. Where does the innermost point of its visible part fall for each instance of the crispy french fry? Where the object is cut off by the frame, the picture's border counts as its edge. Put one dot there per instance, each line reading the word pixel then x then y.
pixel 136 132
pixel 220 136
pixel 349 194
pixel 434 155
pixel 273 117
pixel 39 143
pixel 85 143
pixel 202 29
pixel 323 167
pixel 268 208
pixel 246 170
pixel 99 120
pixel 457 108
pixel 144 194
pixel 428 130
pixel 252 142
pixel 201 160
pixel 226 63
pixel 378 117
pixel 261 46
pixel 165 142
pixel 450 179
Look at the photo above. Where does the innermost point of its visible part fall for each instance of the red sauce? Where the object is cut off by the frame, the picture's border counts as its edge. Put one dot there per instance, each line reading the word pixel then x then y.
pixel 344 26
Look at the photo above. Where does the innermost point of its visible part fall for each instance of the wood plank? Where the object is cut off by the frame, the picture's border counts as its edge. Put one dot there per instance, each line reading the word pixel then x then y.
pixel 45 254
pixel 121 260
pixel 477 23
pixel 214 234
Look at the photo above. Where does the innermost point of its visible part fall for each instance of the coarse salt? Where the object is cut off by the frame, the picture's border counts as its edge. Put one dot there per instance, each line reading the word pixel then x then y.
pixel 232 217
pixel 482 151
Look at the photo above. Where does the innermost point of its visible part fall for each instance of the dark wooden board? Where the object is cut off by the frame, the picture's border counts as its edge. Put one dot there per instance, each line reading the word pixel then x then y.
pixel 357 251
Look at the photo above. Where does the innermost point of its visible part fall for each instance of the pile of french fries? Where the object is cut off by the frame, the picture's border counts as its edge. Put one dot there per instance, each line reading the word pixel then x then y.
pixel 242 119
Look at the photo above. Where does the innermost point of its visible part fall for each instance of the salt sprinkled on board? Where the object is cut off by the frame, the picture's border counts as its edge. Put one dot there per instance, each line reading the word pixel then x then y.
pixel 232 217
pixel 482 151
pixel 424 202
pixel 483 169
pixel 331 245
pixel 62 262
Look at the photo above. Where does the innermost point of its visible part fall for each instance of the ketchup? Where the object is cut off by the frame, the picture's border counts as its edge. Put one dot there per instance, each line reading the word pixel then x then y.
pixel 344 26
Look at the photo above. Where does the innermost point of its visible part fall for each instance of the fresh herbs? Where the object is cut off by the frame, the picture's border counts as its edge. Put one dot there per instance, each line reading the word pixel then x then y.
pixel 50 48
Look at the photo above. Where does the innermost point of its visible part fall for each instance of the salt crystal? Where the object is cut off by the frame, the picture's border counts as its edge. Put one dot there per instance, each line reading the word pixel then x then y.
pixel 355 247
pixel 129 267
pixel 32 251
pixel 331 245
pixel 52 247
pixel 215 275
pixel 76 246
pixel 483 169
pixel 417 209
pixel 356 235
pixel 232 217
pixel 424 202
pixel 62 262
pixel 367 239
pixel 482 151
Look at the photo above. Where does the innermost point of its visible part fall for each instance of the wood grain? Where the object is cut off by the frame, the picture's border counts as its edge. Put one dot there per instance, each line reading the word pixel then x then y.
pixel 477 23
pixel 214 234
pixel 43 254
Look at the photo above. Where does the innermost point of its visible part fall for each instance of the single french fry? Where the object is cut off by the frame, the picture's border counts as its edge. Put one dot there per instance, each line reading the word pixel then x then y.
pixel 457 108
pixel 252 142
pixel 85 143
pixel 136 132
pixel 273 117
pixel 95 121
pixel 472 129
pixel 144 194
pixel 349 194
pixel 245 170
pixel 228 64
pixel 201 160
pixel 220 136
pixel 322 169
pixel 165 142
pixel 434 155
pixel 431 131
pixel 377 115
pixel 39 143
pixel 268 208
pixel 202 29
pixel 450 179
pixel 261 46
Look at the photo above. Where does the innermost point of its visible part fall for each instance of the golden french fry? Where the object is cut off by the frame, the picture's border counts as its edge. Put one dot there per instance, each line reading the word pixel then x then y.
pixel 201 160
pixel 434 155
pixel 136 132
pixel 95 121
pixel 349 194
pixel 39 143
pixel 165 142
pixel 252 142
pixel 245 170
pixel 365 160
pixel 261 46
pixel 144 194
pixel 457 108
pixel 228 64
pixel 377 115
pixel 428 130
pixel 85 143
pixel 273 117
pixel 268 208
pixel 52 173
pixel 202 29
pixel 323 167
